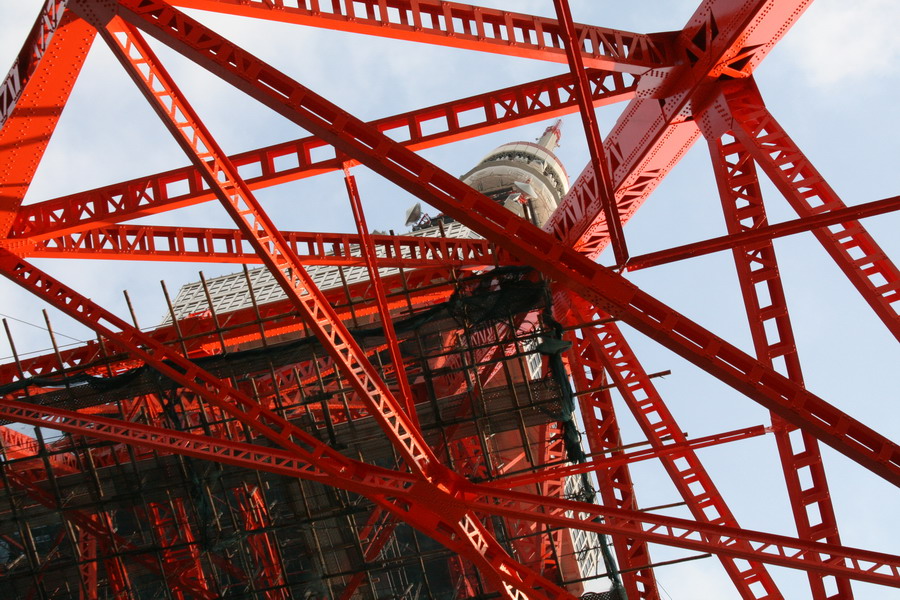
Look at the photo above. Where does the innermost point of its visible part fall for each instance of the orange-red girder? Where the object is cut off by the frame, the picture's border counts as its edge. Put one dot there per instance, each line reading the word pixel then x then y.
pixel 87 570
pixel 201 244
pixel 765 303
pixel 617 458
pixel 600 286
pixel 601 427
pixel 461 26
pixel 723 38
pixel 763 233
pixel 862 565
pixel 445 123
pixel 849 244
pixel 780 550
pixel 387 324
pixel 32 98
pixel 223 178
pixel 179 549
pixel 270 570
pixel 170 363
pixel 599 162
pixel 609 348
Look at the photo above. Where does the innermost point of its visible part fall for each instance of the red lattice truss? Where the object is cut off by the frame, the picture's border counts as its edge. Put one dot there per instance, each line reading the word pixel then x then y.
pixel 675 86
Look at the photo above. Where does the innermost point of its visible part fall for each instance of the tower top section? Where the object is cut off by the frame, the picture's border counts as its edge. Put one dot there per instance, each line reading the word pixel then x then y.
pixel 551 136
pixel 526 177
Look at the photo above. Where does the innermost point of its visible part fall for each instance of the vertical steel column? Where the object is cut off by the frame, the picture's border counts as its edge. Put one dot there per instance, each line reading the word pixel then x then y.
pixel 87 566
pixel 367 246
pixel 765 303
pixel 602 432
pixel 599 163
pixel 178 549
pixel 854 251
pixel 270 570
pixel 706 504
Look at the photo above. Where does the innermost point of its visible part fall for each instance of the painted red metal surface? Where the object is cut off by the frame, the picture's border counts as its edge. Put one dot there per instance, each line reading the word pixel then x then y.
pixel 283 264
pixel 598 285
pixel 612 351
pixel 599 162
pixel 723 38
pixel 763 233
pixel 32 98
pixel 196 244
pixel 280 163
pixel 854 563
pixel 461 26
pixel 851 247
pixel 861 565
pixel 270 569
pixel 173 532
pixel 773 339
pixel 678 77
pixel 602 432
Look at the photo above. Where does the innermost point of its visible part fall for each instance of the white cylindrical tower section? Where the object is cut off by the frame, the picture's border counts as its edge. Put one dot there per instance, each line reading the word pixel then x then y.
pixel 526 177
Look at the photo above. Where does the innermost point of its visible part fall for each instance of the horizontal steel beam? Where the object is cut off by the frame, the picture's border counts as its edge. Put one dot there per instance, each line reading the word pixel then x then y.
pixel 768 232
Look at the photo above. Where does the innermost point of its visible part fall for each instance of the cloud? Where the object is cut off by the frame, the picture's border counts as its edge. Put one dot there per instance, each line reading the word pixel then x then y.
pixel 838 42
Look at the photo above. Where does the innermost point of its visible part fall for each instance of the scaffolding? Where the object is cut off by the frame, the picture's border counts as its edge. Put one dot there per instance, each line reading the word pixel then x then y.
pixel 171 526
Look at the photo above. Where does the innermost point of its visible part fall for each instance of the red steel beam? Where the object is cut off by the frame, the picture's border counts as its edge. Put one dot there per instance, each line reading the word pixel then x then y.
pixel 369 252
pixel 223 178
pixel 598 285
pixel 461 26
pixel 723 38
pixel 32 98
pixel 171 364
pixel 764 233
pixel 270 578
pixel 305 157
pixel 599 163
pixel 841 561
pixel 87 568
pixel 656 421
pixel 416 504
pixel 616 487
pixel 851 247
pixel 373 481
pixel 622 458
pixel 781 550
pixel 201 244
pixel 773 340
pixel 179 551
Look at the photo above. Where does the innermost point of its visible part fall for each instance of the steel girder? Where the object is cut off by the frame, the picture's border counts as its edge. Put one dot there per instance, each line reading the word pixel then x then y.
pixel 279 163
pixel 765 302
pixel 724 38
pixel 765 232
pixel 463 26
pixel 196 244
pixel 720 40
pixel 598 285
pixel 32 98
pixel 848 243
pixel 373 481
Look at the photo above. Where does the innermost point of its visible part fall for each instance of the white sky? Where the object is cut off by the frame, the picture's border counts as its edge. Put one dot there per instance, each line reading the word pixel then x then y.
pixel 832 83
